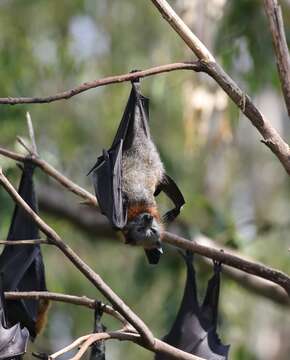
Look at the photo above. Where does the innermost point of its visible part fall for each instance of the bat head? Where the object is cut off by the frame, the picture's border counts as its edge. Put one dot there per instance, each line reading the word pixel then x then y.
pixel 145 230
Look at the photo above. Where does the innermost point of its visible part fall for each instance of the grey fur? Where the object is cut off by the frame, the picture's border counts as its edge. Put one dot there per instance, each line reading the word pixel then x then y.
pixel 142 169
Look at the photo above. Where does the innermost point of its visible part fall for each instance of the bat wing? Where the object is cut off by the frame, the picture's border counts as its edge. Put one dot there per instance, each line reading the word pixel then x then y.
pixel 107 180
pixel 13 340
pixel 98 348
pixel 22 265
pixel 194 329
pixel 169 187
pixel 107 172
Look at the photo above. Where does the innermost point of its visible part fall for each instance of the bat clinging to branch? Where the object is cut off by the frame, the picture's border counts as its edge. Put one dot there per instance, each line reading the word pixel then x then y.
pixel 129 175
pixel 22 265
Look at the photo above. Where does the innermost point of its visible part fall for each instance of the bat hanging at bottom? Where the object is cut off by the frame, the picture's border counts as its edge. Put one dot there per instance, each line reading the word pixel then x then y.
pixel 129 176
pixel 13 340
pixel 98 348
pixel 22 265
pixel 195 327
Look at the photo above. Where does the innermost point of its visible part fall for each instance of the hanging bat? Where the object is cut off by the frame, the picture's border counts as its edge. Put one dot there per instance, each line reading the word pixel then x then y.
pixel 195 327
pixel 13 340
pixel 98 348
pixel 129 176
pixel 22 265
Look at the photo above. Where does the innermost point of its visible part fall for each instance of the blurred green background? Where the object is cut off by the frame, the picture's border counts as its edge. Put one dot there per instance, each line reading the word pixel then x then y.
pixel 236 191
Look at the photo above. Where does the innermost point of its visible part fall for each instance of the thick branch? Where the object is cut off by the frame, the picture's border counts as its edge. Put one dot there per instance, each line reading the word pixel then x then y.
pixel 271 137
pixel 275 18
pixel 94 278
pixel 101 82
pixel 70 299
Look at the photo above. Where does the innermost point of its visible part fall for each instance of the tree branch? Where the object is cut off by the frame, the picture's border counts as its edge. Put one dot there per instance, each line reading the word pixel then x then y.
pixel 52 172
pixel 85 341
pixel 275 18
pixel 24 242
pixel 69 299
pixel 102 82
pixel 248 266
pixel 271 137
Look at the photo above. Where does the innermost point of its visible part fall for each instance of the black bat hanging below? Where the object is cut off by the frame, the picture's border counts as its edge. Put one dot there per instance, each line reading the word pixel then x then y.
pixel 195 327
pixel 22 265
pixel 129 175
pixel 98 348
pixel 13 340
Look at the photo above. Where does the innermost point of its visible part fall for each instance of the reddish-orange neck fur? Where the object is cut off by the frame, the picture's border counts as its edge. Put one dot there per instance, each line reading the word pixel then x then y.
pixel 139 208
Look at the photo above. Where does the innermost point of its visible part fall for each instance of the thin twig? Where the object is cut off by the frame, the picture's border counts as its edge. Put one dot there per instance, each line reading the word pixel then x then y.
pixel 23 143
pixel 271 137
pixel 275 18
pixel 94 278
pixel 70 347
pixel 159 346
pixel 31 133
pixel 87 343
pixel 101 82
pixel 70 299
pixel 51 171
pixel 24 242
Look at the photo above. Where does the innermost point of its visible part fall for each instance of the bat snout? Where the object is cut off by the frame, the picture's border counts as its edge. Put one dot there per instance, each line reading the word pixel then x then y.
pixel 147 219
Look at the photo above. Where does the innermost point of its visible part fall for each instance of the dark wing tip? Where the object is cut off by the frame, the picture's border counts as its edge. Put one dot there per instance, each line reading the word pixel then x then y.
pixel 153 255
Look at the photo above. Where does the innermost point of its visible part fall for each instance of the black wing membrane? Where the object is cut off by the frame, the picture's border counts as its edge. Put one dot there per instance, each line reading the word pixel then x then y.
pixel 98 348
pixel 107 172
pixel 153 255
pixel 22 265
pixel 169 187
pixel 13 340
pixel 195 327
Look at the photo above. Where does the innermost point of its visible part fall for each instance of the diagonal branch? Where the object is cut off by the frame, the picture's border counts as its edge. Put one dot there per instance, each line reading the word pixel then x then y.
pixel 248 266
pixel 102 82
pixel 271 137
pixel 69 299
pixel 275 18
pixel 52 172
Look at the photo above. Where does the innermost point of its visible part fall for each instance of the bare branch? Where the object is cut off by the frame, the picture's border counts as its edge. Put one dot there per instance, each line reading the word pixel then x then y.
pixel 51 171
pixel 271 137
pixel 159 346
pixel 248 266
pixel 24 145
pixel 275 18
pixel 102 82
pixel 24 242
pixel 70 299
pixel 94 278
pixel 31 133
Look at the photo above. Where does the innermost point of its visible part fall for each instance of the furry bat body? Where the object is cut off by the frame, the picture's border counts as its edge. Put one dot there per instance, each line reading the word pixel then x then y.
pixel 129 175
